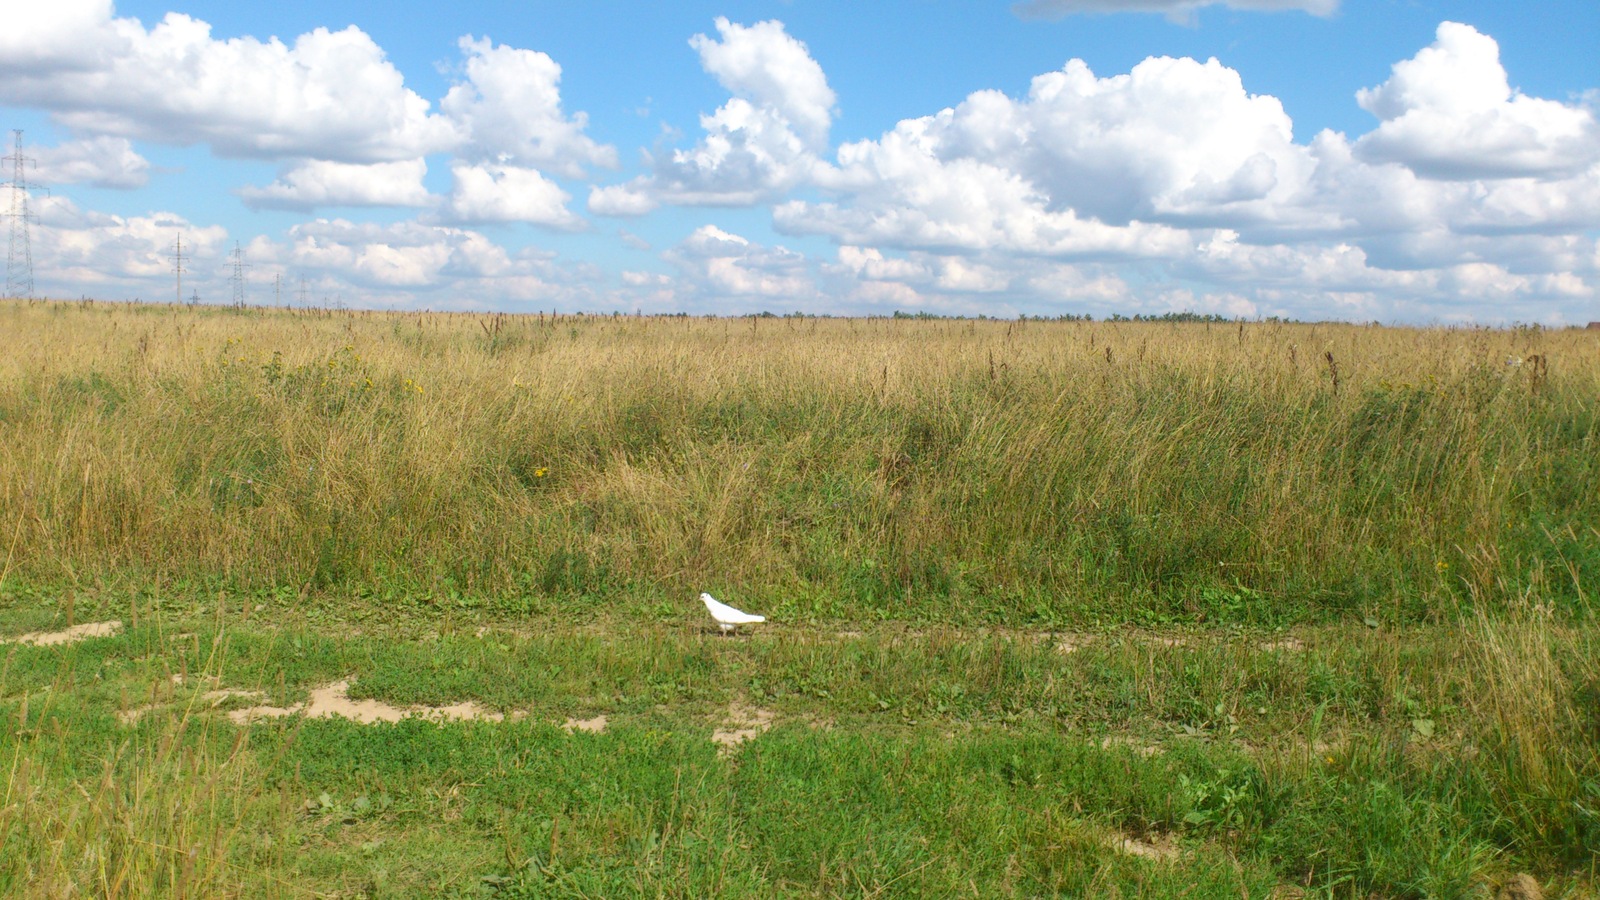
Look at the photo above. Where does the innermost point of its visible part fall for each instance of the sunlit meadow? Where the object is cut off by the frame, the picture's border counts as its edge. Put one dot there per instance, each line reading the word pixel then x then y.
pixel 1056 607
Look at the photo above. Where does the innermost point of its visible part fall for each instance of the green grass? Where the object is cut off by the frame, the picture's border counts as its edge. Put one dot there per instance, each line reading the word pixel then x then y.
pixel 1057 609
pixel 902 762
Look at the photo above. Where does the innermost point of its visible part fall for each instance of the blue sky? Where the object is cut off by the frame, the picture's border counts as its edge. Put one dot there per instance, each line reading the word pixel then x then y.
pixel 1319 159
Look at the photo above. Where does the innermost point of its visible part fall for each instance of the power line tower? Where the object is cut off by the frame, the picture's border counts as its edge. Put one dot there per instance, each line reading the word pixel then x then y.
pixel 19 254
pixel 177 265
pixel 277 290
pixel 304 294
pixel 239 266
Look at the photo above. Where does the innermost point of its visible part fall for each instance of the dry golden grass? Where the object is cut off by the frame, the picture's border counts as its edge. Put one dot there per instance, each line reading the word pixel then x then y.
pixel 1535 692
pixel 908 465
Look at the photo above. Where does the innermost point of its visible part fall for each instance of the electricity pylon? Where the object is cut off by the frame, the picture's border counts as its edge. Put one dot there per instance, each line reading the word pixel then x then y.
pixel 177 266
pixel 239 265
pixel 19 254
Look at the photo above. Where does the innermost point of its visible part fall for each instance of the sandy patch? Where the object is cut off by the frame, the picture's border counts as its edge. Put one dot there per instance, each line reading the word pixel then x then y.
pixel 334 700
pixel 68 636
pixel 1289 644
pixel 741 724
pixel 1143 748
pixel 1065 643
pixel 1159 847
pixel 595 725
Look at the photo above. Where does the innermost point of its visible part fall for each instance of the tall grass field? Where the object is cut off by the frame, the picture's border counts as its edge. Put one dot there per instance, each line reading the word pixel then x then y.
pixel 1055 608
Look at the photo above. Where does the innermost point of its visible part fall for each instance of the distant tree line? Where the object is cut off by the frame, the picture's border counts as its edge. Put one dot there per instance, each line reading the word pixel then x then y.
pixel 1185 316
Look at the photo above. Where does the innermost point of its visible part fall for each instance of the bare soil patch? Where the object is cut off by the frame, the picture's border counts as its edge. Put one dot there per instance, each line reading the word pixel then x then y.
pixel 333 700
pixel 742 723
pixel 67 635
pixel 595 725
pixel 1160 847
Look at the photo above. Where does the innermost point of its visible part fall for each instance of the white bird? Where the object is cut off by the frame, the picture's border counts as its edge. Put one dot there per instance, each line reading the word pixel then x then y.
pixel 728 618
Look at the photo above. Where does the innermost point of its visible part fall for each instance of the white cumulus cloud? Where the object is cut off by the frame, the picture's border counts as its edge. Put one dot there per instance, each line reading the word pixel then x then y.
pixel 502 193
pixel 406 254
pixel 417 264
pixel 56 35
pixel 509 111
pixel 764 64
pixel 727 265
pixel 83 251
pixel 1449 112
pixel 1083 166
pixel 631 199
pixel 1171 185
pixel 330 95
pixel 102 161
pixel 329 105
pixel 766 140
pixel 870 263
pixel 967 284
pixel 1176 165
pixel 315 183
